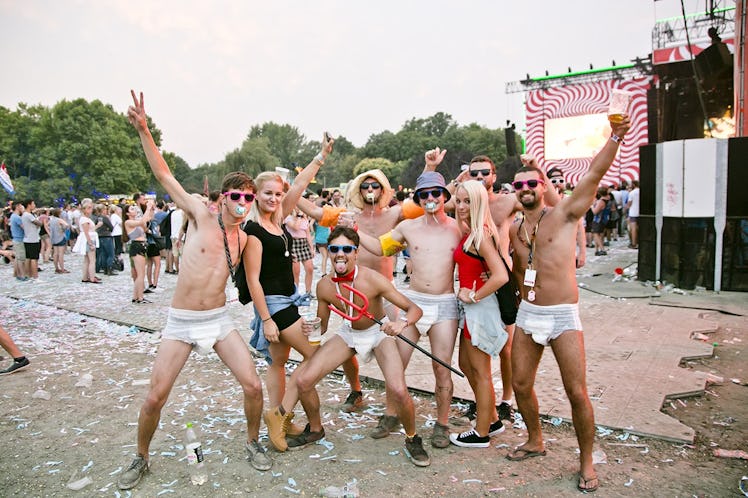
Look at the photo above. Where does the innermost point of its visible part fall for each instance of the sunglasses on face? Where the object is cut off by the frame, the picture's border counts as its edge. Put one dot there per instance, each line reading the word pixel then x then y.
pixel 235 196
pixel 519 184
pixel 424 194
pixel 374 185
pixel 557 180
pixel 474 172
pixel 346 249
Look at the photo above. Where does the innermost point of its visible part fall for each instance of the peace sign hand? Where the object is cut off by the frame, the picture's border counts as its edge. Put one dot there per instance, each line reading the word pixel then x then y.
pixel 136 113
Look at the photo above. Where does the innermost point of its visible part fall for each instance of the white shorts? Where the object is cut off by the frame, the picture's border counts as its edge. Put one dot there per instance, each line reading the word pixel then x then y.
pixel 545 323
pixel 201 329
pixel 363 341
pixel 436 308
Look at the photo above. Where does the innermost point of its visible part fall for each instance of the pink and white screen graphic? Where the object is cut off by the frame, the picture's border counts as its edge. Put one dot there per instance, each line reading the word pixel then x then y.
pixel 568 125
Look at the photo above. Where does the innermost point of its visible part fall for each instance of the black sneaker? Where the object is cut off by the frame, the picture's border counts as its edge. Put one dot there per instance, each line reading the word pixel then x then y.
pixel 16 366
pixel 506 412
pixel 415 452
pixel 131 477
pixel 305 438
pixel 470 414
pixel 471 439
pixel 354 401
pixel 147 290
pixel 496 428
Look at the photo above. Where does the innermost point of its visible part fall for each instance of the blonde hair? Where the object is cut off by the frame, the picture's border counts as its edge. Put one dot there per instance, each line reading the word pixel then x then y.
pixel 260 181
pixel 481 223
pixel 86 203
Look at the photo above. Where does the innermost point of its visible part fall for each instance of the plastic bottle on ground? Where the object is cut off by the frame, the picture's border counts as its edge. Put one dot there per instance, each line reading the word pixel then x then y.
pixel 195 462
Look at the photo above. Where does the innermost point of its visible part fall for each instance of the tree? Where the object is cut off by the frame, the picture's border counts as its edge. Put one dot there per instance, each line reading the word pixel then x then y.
pixel 285 142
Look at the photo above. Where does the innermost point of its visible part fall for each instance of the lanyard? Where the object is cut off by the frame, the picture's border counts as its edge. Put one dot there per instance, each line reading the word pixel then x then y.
pixel 229 263
pixel 531 240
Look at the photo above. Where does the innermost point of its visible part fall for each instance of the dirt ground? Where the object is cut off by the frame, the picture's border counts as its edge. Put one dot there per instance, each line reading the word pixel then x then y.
pixel 90 431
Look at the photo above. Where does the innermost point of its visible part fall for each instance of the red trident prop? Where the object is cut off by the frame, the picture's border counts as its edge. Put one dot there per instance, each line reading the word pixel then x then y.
pixel 363 312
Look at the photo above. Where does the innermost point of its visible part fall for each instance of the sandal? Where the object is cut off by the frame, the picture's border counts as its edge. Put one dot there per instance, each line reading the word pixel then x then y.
pixel 519 453
pixel 588 485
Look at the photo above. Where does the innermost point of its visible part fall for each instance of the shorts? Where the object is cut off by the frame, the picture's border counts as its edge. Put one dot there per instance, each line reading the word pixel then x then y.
pixel 152 251
pixel 300 250
pixel 545 323
pixel 596 227
pixel 201 329
pixel 633 219
pixel 19 250
pixel 436 308
pixel 137 248
pixel 32 249
pixel 62 243
pixel 363 341
pixel 286 317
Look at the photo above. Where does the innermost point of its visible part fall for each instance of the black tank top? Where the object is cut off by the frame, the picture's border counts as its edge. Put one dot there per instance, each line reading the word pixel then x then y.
pixel 276 272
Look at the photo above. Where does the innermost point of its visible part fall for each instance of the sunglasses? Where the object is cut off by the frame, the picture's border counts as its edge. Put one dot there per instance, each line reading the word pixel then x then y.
pixel 235 196
pixel 474 172
pixel 557 180
pixel 424 194
pixel 519 184
pixel 346 249
pixel 299 215
pixel 374 185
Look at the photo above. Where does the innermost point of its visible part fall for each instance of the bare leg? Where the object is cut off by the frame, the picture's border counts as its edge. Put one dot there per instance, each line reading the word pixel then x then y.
pixel 442 336
pixel 397 389
pixel 308 274
pixel 478 364
pixel 7 343
pixel 169 361
pixel 350 368
pixel 526 355
pixel 568 349
pixel 505 358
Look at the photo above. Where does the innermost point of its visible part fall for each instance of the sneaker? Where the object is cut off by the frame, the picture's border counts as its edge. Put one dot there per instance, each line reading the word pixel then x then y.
pixel 387 424
pixel 16 366
pixel 147 291
pixel 471 439
pixel 495 428
pixel 353 401
pixel 257 456
pixel 415 452
pixel 470 414
pixel 506 412
pixel 305 438
pixel 22 279
pixel 275 423
pixel 440 436
pixel 131 477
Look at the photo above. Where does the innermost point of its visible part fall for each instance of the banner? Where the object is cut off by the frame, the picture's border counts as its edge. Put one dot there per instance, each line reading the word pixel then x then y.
pixel 5 180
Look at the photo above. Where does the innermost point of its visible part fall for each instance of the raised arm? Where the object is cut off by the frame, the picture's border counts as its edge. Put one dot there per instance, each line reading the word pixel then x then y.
pixel 291 199
pixel 577 204
pixel 137 117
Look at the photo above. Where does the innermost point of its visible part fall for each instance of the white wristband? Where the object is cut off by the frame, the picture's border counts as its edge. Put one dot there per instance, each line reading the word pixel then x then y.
pixel 616 139
pixel 320 159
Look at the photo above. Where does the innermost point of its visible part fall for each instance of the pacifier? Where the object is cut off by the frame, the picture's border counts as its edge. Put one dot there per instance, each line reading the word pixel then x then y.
pixel 370 196
pixel 430 206
pixel 240 210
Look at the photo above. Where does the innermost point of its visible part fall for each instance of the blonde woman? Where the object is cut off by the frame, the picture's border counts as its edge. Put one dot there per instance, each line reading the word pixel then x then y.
pixel 483 335
pixel 135 228
pixel 269 275
pixel 88 241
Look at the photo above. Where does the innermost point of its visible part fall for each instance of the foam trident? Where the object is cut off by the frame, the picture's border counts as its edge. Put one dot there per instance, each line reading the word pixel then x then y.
pixel 363 311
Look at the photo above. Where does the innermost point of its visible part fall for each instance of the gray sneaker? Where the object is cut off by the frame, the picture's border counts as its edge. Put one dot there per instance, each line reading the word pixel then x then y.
pixel 387 424
pixel 440 436
pixel 131 477
pixel 415 452
pixel 257 455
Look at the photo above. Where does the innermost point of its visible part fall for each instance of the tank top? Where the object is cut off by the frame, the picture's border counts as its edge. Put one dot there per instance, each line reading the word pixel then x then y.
pixel 276 270
pixel 136 233
pixel 469 267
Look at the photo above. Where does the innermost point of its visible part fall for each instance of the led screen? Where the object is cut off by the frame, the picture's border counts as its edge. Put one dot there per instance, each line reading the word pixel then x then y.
pixel 576 136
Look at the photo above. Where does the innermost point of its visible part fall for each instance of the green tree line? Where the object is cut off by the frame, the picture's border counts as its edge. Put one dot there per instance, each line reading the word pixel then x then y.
pixel 78 149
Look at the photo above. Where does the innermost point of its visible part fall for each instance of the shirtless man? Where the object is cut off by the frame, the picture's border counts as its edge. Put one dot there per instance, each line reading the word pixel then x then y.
pixel 503 209
pixel 431 239
pixel 198 317
pixel 362 337
pixel 556 177
pixel 369 195
pixel 544 260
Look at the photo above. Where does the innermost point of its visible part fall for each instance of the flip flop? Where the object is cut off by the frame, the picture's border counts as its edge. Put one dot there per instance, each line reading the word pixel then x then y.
pixel 588 485
pixel 519 454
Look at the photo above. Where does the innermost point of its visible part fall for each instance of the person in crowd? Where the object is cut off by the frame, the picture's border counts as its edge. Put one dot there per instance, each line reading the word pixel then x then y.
pixel 19 249
pixel 155 248
pixel 297 224
pixel 57 228
pixel 633 213
pixel 105 252
pixel 135 229
pixel 269 277
pixel 544 260
pixel 20 362
pixel 601 217
pixel 31 238
pixel 45 252
pixel 88 241
pixel 198 317
pixel 176 220
pixel 115 216
pixel 483 334
pixel 321 234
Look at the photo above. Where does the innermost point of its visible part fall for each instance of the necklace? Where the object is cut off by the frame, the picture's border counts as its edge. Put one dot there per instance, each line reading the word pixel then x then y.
pixel 229 262
pixel 285 242
pixel 530 273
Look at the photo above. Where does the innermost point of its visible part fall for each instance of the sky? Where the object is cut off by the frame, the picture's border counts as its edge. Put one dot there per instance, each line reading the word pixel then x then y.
pixel 212 70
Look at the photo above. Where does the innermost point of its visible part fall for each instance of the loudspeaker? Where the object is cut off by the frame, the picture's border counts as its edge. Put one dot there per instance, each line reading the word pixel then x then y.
pixel 511 142
pixel 713 62
pixel 647 179
pixel 737 177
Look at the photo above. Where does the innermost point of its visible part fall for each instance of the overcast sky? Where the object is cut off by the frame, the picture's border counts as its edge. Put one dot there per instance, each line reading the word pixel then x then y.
pixel 212 69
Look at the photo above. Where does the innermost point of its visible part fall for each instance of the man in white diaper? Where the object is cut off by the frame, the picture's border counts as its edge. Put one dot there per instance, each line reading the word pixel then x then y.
pixel 545 263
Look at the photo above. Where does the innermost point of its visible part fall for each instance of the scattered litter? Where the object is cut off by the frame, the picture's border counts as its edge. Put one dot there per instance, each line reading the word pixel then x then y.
pixel 603 431
pixel 382 472
pixel 352 460
pixel 468 481
pixel 85 381
pixel 599 457
pixel 743 485
pixel 163 492
pixel 79 484
pixel 116 471
pixel 556 421
pixel 714 379
pixel 623 437
pixel 292 490
pixel 667 460
pixel 723 453
pixel 42 394
pixel 629 483
pixel 331 457
pixel 629 445
pixel 292 482
pixel 141 382
pixel 87 466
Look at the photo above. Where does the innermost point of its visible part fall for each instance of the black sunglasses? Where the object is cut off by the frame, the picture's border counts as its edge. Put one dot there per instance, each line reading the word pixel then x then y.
pixel 346 249
pixel 557 180
pixel 235 196
pixel 530 183
pixel 424 194
pixel 484 172
pixel 374 185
